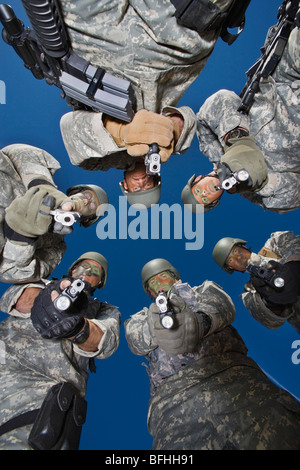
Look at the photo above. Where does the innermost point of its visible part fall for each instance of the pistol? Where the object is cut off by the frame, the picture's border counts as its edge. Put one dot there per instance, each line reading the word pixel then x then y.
pixel 165 313
pixel 267 275
pixel 69 295
pixel 152 161
pixel 65 218
pixel 228 178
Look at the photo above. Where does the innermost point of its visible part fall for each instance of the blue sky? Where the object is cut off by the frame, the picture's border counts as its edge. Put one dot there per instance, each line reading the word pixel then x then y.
pixel 118 393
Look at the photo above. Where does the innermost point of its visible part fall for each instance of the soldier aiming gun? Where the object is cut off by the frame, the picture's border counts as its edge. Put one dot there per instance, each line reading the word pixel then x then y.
pixel 267 109
pixel 48 339
pixel 272 293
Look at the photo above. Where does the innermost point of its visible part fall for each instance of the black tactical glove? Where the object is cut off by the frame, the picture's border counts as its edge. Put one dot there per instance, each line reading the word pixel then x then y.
pixel 286 295
pixel 53 323
pixel 186 332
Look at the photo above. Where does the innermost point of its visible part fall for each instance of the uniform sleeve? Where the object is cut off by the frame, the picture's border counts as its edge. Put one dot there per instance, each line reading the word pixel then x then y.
pixel 90 146
pixel 22 262
pixel 259 311
pixel 286 245
pixel 216 304
pixel 189 128
pixel 108 320
pixel 137 334
pixel 11 296
pixel 31 162
pixel 85 137
pixel 31 262
pixel 217 116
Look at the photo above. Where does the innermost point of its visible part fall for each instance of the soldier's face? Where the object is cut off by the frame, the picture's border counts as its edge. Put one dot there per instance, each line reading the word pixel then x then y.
pixel 86 202
pixel 88 270
pixel 206 189
pixel 161 282
pixel 238 258
pixel 138 180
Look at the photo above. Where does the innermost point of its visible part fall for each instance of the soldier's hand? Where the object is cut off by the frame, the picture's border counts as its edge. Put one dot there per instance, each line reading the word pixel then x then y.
pixel 286 295
pixel 245 154
pixel 186 332
pixel 29 215
pixel 146 128
pixel 53 323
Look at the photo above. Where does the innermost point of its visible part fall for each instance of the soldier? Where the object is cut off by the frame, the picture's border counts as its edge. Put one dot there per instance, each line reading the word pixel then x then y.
pixel 161 48
pixel 31 242
pixel 206 393
pixel 265 142
pixel 272 295
pixel 46 354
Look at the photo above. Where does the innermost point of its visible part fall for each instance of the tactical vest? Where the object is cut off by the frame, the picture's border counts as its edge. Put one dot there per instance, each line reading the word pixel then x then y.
pixel 203 16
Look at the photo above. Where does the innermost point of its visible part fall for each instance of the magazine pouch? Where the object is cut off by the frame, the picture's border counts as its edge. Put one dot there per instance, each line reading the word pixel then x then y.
pixel 204 16
pixel 60 419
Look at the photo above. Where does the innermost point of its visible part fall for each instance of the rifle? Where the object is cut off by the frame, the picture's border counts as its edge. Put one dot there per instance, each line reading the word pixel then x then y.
pixel 288 16
pixel 46 52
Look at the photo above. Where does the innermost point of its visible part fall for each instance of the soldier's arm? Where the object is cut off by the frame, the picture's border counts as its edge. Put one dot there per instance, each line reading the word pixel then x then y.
pixel 31 162
pixel 216 117
pixel 30 262
pixel 24 262
pixel 138 335
pixel 214 302
pixel 285 244
pixel 85 136
pixel 261 313
pixel 104 333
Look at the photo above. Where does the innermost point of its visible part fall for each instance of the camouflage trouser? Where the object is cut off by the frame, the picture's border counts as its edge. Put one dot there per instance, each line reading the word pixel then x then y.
pixel 29 367
pixel 21 390
pixel 223 402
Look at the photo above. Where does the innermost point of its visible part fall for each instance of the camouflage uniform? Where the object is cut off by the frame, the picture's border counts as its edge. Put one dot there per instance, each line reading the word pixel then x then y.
pixel 281 247
pixel 19 165
pixel 90 146
pixel 30 365
pixel 216 398
pixel 143 43
pixel 275 123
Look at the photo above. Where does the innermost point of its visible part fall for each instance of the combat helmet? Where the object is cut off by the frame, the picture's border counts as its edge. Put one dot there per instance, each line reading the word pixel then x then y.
pixel 156 266
pixel 101 196
pixel 95 256
pixel 187 197
pixel 222 250
pixel 143 198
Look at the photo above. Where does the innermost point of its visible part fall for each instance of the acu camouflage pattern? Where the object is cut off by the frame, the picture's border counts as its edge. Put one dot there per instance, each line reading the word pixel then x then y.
pixel 275 123
pixel 142 42
pixel 90 146
pixel 286 247
pixel 217 398
pixel 209 299
pixel 19 164
pixel 30 365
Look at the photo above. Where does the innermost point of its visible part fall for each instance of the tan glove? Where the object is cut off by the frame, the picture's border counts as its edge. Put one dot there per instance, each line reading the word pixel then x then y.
pixel 146 128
